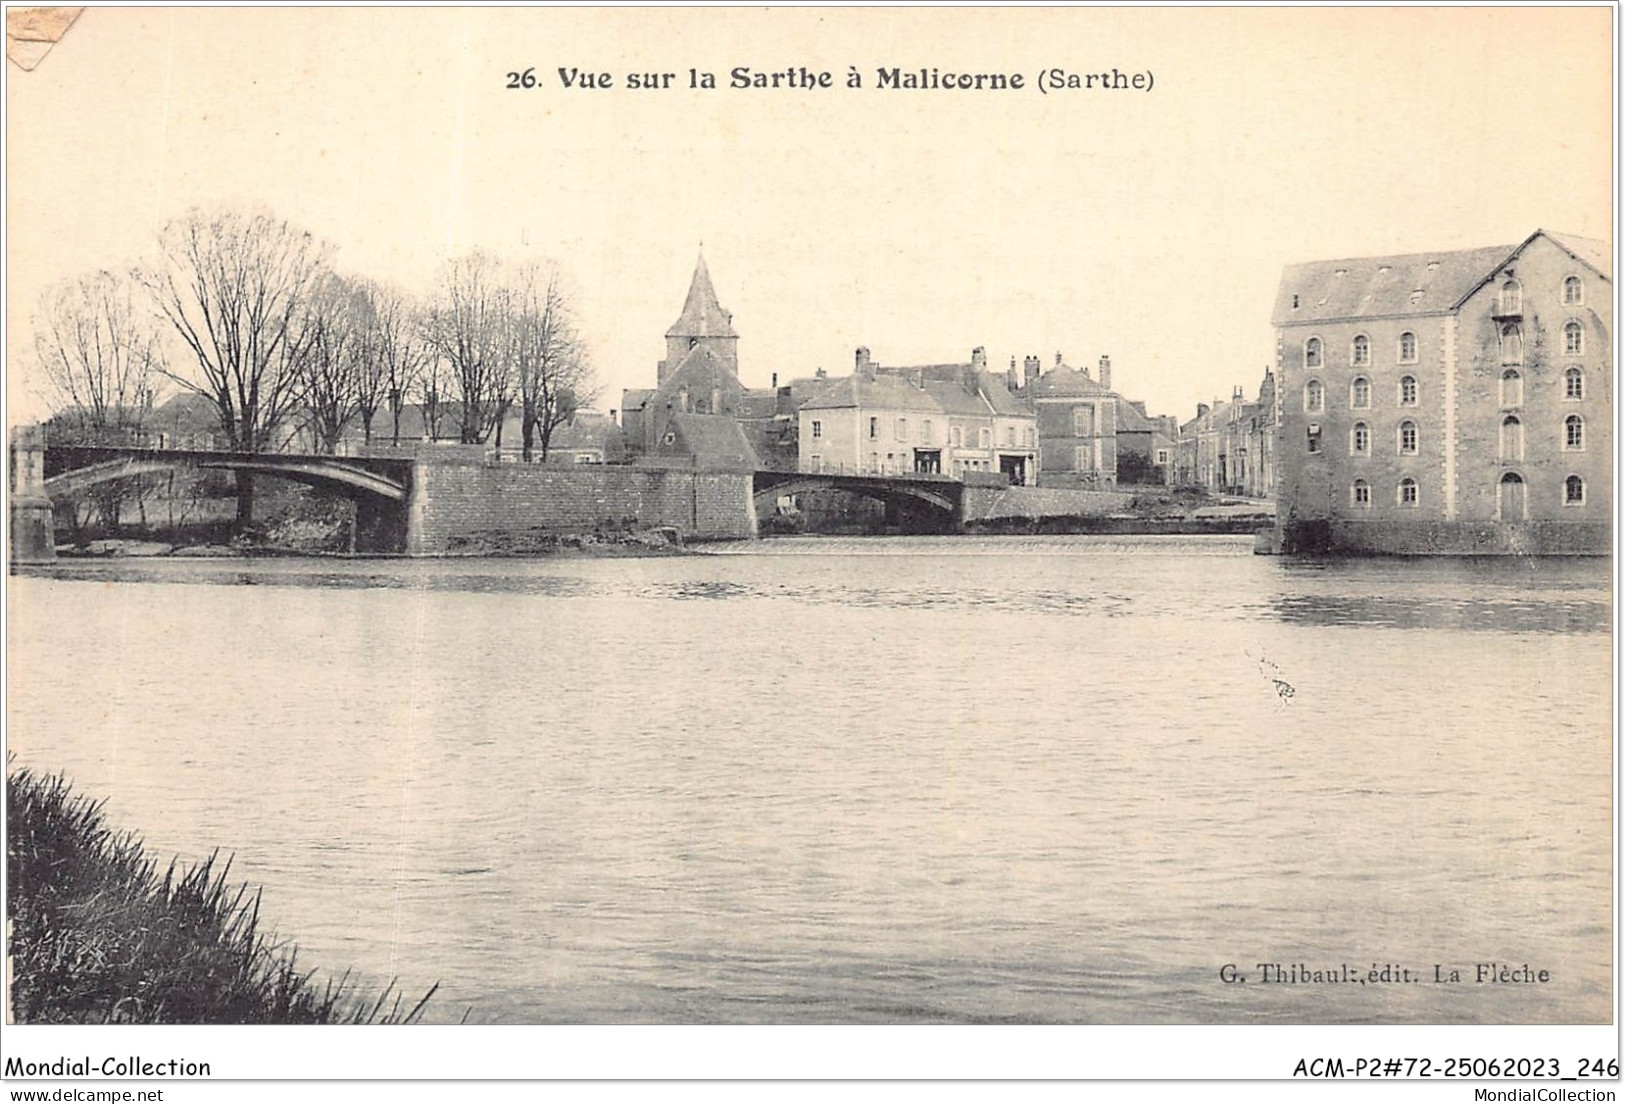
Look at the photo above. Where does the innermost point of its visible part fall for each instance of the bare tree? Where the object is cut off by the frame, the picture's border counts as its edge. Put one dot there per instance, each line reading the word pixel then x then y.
pixel 334 326
pixel 431 392
pixel 397 348
pixel 465 326
pixel 233 286
pixel 547 355
pixel 99 355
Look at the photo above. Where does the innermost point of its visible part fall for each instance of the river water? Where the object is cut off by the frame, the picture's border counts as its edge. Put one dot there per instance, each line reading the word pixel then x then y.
pixel 871 780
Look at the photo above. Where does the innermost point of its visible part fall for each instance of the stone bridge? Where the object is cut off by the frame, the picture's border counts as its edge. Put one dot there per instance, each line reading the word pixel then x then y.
pixel 42 477
pixel 915 502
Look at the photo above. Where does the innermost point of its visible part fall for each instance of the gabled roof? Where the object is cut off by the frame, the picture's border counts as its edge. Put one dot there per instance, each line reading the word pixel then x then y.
pixel 1065 382
pixel 884 392
pixel 999 396
pixel 715 441
pixel 1371 287
pixel 636 398
pixel 757 402
pixel 702 315
pixel 1598 254
pixel 589 431
pixel 1408 284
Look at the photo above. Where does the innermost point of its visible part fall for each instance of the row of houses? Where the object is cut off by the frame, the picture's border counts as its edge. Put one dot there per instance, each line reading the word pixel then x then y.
pixel 1061 427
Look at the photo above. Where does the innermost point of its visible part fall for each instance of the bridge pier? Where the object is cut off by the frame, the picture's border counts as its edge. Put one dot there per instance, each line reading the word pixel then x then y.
pixel 33 522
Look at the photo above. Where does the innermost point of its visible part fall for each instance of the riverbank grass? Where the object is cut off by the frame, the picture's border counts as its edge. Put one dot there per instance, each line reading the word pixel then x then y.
pixel 99 935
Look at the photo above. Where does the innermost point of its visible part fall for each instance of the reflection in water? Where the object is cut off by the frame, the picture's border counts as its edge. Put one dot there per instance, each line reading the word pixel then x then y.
pixel 915 779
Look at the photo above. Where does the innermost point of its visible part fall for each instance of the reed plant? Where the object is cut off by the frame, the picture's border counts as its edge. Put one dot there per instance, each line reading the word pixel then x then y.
pixel 98 935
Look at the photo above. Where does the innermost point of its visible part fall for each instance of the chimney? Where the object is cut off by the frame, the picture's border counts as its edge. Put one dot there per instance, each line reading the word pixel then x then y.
pixel 1058 361
pixel 775 379
pixel 978 358
pixel 1031 368
pixel 1106 372
pixel 1236 396
pixel 820 374
pixel 865 366
pixel 612 417
pixel 1010 382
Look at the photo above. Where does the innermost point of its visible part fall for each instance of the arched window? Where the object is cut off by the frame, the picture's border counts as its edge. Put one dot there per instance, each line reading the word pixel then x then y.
pixel 1574 339
pixel 1573 292
pixel 1511 297
pixel 1407 438
pixel 1511 501
pixel 1360 353
pixel 1314 397
pixel 1511 438
pixel 1360 494
pixel 1574 491
pixel 1311 353
pixel 1511 344
pixel 1574 432
pixel 1574 383
pixel 1407 348
pixel 1359 440
pixel 1409 493
pixel 1511 387
pixel 1407 390
pixel 1360 393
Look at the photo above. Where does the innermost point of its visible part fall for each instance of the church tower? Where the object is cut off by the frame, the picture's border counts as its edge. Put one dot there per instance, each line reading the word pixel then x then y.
pixel 702 325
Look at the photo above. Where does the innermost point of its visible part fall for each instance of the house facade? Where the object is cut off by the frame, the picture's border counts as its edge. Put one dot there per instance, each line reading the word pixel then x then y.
pixel 1451 402
pixel 945 419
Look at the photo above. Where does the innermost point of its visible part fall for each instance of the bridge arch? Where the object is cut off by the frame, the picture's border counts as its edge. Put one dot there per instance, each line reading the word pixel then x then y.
pixel 935 502
pixel 313 471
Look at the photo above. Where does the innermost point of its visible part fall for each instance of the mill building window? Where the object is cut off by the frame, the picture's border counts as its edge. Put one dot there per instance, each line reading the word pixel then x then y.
pixel 1407 390
pixel 1574 340
pixel 1360 352
pixel 1574 491
pixel 1511 344
pixel 1407 348
pixel 1360 393
pixel 1360 440
pixel 1407 438
pixel 1314 397
pixel 1313 440
pixel 1511 297
pixel 1511 387
pixel 1511 438
pixel 1574 383
pixel 1360 494
pixel 1573 292
pixel 1409 494
pixel 817 429
pixel 1574 433
pixel 874 428
pixel 1311 353
pixel 902 429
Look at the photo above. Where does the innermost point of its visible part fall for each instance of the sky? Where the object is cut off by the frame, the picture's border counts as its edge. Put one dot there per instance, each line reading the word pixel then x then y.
pixel 1148 225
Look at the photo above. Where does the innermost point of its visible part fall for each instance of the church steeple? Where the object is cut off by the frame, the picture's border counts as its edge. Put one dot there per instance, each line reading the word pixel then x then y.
pixel 702 315
pixel 703 326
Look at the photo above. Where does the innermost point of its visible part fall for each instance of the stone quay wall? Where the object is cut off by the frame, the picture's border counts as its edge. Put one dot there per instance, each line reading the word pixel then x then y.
pixel 453 504
pixel 1451 538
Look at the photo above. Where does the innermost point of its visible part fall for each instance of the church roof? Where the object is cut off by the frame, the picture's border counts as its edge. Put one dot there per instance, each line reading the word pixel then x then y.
pixel 702 315
pixel 716 441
